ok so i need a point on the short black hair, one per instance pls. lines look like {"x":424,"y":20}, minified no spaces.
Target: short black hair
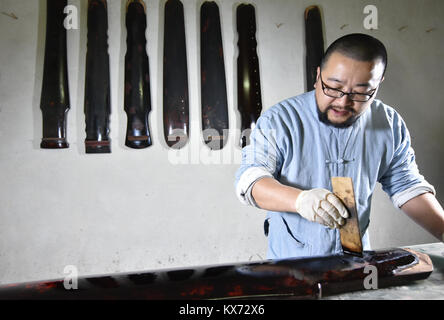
{"x":358,"y":46}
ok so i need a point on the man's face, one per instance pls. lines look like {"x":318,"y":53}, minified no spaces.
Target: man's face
{"x":348,"y":75}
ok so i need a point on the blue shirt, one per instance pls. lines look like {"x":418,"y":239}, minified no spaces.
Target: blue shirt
{"x":298,"y":150}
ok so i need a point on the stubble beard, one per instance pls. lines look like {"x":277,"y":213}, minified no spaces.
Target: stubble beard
{"x":323,"y":117}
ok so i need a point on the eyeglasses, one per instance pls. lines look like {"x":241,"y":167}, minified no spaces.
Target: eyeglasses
{"x":354,"y":96}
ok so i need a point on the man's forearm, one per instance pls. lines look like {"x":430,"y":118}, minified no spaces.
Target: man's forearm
{"x":270,"y":194}
{"x":426,"y":211}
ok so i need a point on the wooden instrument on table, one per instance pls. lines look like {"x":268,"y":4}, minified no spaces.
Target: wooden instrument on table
{"x":303,"y":278}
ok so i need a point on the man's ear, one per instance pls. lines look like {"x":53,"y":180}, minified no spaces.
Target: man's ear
{"x":318,"y":73}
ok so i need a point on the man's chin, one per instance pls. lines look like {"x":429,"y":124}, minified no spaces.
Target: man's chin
{"x":337,"y":123}
{"x":343,"y":122}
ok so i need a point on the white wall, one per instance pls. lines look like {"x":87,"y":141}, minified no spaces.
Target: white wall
{"x":137,"y":209}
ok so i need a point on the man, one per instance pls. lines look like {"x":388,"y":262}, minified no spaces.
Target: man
{"x":338,"y":129}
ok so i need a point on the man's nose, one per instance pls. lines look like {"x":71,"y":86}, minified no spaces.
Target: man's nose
{"x":343,"y":101}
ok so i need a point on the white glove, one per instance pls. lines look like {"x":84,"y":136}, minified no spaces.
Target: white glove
{"x":322,"y":206}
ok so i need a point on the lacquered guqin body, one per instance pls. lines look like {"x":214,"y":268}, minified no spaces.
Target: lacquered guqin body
{"x":55,"y":102}
{"x":248,"y":75}
{"x":292,"y":278}
{"x":97,"y":82}
{"x":175,"y":77}
{"x":314,"y":44}
{"x":215,"y":122}
{"x":137,"y":78}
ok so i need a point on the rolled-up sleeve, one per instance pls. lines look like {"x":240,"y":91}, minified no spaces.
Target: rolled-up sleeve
{"x":261,"y":158}
{"x":402,"y":180}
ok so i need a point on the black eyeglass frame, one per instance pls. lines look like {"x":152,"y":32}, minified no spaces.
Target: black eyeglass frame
{"x":349,"y":94}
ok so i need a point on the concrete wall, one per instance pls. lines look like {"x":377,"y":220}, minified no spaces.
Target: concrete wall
{"x":155,"y":208}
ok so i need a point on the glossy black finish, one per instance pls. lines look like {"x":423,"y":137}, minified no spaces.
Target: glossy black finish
{"x":54,"y":101}
{"x":213,"y":83}
{"x":137,"y":78}
{"x":291,"y":278}
{"x":248,"y":77}
{"x":97,"y":83}
{"x":175,"y":77}
{"x":314,"y":44}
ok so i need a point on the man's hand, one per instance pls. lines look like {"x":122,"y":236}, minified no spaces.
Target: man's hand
{"x":319,"y":205}
{"x":322,"y":206}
